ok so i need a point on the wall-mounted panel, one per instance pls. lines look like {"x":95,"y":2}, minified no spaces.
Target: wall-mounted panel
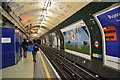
{"x":10,"y":47}
{"x":7,"y":40}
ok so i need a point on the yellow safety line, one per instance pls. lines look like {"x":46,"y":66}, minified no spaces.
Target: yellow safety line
{"x":45,"y":67}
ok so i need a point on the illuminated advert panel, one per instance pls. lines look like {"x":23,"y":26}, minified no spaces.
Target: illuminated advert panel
{"x":109,"y":22}
{"x":77,"y":39}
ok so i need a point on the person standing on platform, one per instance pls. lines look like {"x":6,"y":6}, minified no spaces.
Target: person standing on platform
{"x":36,"y":48}
{"x":25,"y":45}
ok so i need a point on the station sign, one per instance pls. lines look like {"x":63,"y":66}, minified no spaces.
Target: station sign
{"x":96,"y":44}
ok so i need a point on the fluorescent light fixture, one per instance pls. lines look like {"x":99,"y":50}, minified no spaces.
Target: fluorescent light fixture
{"x":45,"y":10}
{"x":39,"y":31}
{"x":35,"y":35}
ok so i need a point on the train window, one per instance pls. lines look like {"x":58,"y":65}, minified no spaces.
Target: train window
{"x":106,"y":37}
{"x":105,"y":32}
{"x":109,"y":36}
{"x":112,"y":36}
{"x":110,"y":31}
{"x":113,"y":30}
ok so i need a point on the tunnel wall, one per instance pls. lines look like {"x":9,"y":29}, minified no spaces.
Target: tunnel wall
{"x":86,"y":14}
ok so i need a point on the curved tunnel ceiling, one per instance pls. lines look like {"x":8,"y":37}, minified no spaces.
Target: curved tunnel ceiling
{"x":31,"y":13}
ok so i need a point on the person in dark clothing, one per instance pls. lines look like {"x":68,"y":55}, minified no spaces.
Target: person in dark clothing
{"x":36,"y":48}
{"x":25,"y":45}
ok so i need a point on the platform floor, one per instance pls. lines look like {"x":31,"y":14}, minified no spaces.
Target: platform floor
{"x":26,"y":68}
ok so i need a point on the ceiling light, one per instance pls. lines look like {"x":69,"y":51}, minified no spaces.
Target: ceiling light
{"x":39,"y":31}
{"x":17,"y":31}
{"x":45,"y":11}
{"x":34,"y":30}
{"x":35,"y":35}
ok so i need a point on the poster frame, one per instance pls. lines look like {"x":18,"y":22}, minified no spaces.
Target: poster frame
{"x":70,"y":51}
{"x":112,"y":7}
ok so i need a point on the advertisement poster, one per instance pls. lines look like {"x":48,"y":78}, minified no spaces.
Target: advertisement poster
{"x":77,"y":40}
{"x":109,"y":22}
{"x":54,"y":40}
